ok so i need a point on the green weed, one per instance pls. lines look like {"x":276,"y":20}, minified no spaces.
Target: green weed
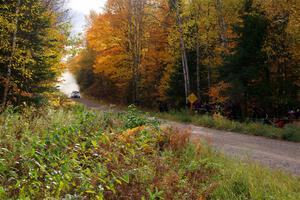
{"x":75,"y":153}
{"x":289,"y":132}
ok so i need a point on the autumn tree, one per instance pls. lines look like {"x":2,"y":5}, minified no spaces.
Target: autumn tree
{"x":203,"y":46}
{"x":32,"y":36}
{"x":130,"y":42}
{"x":229,"y":52}
{"x":283,"y":65}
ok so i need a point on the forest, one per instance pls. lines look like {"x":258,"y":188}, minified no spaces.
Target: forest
{"x":240,"y":55}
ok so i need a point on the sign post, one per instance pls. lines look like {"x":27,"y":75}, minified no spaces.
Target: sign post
{"x":192,"y":99}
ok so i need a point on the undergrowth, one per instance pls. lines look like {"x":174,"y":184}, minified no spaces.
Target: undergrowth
{"x":289,"y":133}
{"x":75,"y":153}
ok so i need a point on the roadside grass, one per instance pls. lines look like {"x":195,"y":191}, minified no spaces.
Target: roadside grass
{"x":289,"y":133}
{"x":76,"y":153}
{"x":252,"y":181}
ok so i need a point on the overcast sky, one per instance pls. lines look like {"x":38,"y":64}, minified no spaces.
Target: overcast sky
{"x":81,"y":8}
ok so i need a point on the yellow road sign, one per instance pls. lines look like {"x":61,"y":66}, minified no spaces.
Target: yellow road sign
{"x":192,"y":98}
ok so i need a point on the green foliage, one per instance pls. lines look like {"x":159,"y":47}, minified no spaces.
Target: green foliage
{"x":175,"y":91}
{"x":243,"y":183}
{"x":289,"y":132}
{"x":283,"y":66}
{"x":262,"y":64}
{"x":237,"y":53}
{"x":134,"y":118}
{"x":35,"y":60}
{"x":245,"y":69}
{"x":155,"y":195}
{"x":82,"y":67}
{"x":74,"y":153}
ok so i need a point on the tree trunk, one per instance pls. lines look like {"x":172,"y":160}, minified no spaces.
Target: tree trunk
{"x":183,"y":55}
{"x":135,"y":20}
{"x":209,"y":77}
{"x":222,"y":23}
{"x":131,"y":48}
{"x":198,"y":60}
{"x":13,"y":49}
{"x":207,"y":52}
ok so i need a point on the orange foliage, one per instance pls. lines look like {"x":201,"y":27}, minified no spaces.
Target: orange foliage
{"x":216,"y":92}
{"x":110,"y":37}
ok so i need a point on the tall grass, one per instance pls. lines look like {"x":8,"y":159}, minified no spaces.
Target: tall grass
{"x":289,"y":132}
{"x":74,"y":153}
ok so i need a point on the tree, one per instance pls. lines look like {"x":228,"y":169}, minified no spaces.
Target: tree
{"x":176,"y":6}
{"x":244,"y":70}
{"x":32,"y":34}
{"x":130,"y":43}
{"x":222,"y":23}
{"x":283,"y":68}
{"x":13,"y":49}
{"x":162,"y":50}
{"x":195,"y":13}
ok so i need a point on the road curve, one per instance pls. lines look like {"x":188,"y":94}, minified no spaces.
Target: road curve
{"x":275,"y":154}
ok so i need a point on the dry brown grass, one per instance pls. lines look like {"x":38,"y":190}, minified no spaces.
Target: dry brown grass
{"x":179,"y":139}
{"x":297,"y":123}
{"x":176,"y":139}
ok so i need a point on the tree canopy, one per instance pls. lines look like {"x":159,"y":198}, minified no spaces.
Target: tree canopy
{"x":33,"y":35}
{"x":151,"y":52}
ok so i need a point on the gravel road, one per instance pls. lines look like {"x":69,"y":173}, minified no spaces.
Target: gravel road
{"x":276,"y":154}
{"x":272,"y":153}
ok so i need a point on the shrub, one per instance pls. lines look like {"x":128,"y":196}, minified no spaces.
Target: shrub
{"x":291,"y":133}
{"x":75,"y":153}
{"x":134,"y":118}
{"x":205,"y":120}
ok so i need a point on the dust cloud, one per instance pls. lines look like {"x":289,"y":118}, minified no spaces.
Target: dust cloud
{"x":68,"y":83}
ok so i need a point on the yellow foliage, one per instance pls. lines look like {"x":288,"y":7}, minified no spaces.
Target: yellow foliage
{"x":127,"y":135}
{"x":217,"y":92}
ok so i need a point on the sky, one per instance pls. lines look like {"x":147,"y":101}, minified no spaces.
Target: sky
{"x":81,"y":8}
{"x":78,"y":10}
